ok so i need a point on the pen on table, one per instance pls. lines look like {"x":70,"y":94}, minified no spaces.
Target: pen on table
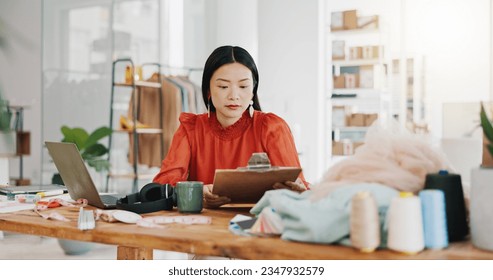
{"x":50,"y":193}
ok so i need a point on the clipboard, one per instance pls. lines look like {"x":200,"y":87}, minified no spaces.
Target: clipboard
{"x":246,"y":185}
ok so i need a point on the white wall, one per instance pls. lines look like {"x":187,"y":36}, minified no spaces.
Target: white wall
{"x":213,"y":23}
{"x":454,"y":38}
{"x":289,"y":65}
{"x":20,"y":73}
{"x":231,"y":22}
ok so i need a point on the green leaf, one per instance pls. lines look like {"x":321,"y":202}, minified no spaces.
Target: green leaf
{"x":90,"y":150}
{"x":97,"y":135}
{"x":75,"y":135}
{"x":486,"y":124}
{"x":99,"y":164}
{"x":94,"y":151}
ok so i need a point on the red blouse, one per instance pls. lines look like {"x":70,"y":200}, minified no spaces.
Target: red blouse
{"x":201,"y":145}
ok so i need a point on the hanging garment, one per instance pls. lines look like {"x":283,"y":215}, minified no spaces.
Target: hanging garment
{"x":190,"y":88}
{"x":149,"y":149}
{"x":183,"y":93}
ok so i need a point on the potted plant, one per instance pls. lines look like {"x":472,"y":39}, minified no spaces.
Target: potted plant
{"x":92,"y":151}
{"x":481,"y":208}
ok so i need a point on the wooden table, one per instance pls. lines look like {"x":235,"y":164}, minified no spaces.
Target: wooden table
{"x":135,"y":242}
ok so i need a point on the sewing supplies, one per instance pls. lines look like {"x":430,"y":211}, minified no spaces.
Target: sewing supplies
{"x":27,"y":198}
{"x":50,"y":193}
{"x":52,"y":216}
{"x":455,"y":206}
{"x":405,"y":232}
{"x":41,"y":205}
{"x":434,"y":218}
{"x":157,"y":221}
{"x":126,"y":216}
{"x":86,"y":219}
{"x":57,"y":202}
{"x":364,"y":222}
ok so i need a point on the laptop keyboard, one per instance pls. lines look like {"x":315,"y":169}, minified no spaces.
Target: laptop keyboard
{"x":109,"y":199}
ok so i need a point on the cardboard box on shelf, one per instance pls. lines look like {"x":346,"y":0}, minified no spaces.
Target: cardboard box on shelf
{"x":344,"y":147}
{"x":355,"y":52}
{"x":371,"y":52}
{"x":350,"y":19}
{"x":339,"y":81}
{"x":351,"y":80}
{"x":337,"y":148}
{"x":356,"y":119}
{"x":359,"y":119}
{"x":368,"y":22}
{"x":370,"y":118}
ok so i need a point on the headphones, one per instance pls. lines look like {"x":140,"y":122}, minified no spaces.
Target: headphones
{"x":151,"y":198}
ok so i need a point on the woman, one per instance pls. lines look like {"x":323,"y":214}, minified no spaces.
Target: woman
{"x":231,"y":131}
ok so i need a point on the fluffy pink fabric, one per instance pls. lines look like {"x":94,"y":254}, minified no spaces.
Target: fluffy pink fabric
{"x":392,"y":157}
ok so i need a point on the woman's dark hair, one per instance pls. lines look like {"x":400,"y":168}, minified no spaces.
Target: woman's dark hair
{"x":226,"y":55}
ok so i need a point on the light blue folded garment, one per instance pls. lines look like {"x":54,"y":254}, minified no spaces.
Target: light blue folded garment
{"x":325,"y":220}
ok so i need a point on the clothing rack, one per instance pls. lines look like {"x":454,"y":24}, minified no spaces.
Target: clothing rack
{"x":139,"y":153}
{"x":188,"y":70}
{"x":134,"y":132}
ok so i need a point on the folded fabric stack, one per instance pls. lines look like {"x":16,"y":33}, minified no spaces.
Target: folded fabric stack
{"x":322,"y":221}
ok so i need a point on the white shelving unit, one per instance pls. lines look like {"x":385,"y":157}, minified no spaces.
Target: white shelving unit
{"x":358,"y":58}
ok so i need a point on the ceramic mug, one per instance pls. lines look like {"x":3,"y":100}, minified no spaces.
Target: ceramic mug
{"x":190,"y":196}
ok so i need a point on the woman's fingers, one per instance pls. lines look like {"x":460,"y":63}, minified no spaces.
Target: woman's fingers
{"x":216,"y":201}
{"x":295,"y":186}
{"x":213,"y":200}
{"x":280,"y":185}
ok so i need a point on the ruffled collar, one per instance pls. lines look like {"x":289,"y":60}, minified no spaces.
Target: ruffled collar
{"x":233,"y":131}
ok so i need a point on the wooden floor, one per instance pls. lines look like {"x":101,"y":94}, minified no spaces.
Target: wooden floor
{"x":15,"y":246}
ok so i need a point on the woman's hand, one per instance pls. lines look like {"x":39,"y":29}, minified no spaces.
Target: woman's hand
{"x":296,"y":186}
{"x":213,"y":200}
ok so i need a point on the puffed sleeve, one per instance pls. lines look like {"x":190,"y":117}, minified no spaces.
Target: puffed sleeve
{"x":279,"y":143}
{"x":175,"y":165}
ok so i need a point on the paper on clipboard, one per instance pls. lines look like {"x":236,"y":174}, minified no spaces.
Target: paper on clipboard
{"x":249,"y":185}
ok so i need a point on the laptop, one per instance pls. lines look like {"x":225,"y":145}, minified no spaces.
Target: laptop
{"x":75,"y":175}
{"x":31,"y":189}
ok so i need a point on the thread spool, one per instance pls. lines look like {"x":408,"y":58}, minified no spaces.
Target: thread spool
{"x":405,"y":224}
{"x":455,"y":207}
{"x":434,"y":218}
{"x":365,"y":226}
